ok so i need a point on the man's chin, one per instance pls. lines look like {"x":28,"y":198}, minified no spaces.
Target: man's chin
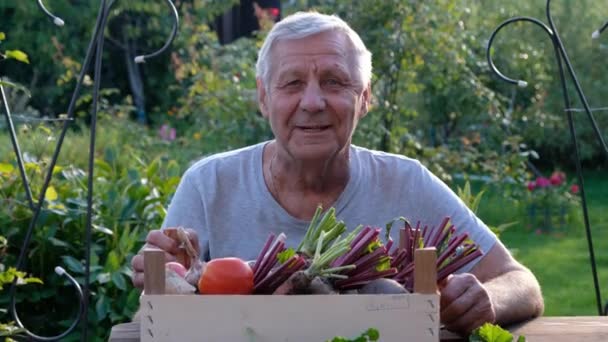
{"x":314,"y":152}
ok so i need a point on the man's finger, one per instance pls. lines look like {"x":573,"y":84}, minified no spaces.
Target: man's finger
{"x":138,"y":279}
{"x":137,"y":263}
{"x":454,"y":287}
{"x":474,"y":317}
{"x":158,"y":239}
{"x":193,"y":236}
{"x":458,"y":307}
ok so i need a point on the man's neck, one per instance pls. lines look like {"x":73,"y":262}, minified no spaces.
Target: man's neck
{"x":300,"y":186}
{"x":311,"y":176}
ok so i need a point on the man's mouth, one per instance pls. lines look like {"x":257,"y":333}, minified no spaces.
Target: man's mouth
{"x":313,"y":128}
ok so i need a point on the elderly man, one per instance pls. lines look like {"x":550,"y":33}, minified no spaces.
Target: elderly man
{"x":313,"y":81}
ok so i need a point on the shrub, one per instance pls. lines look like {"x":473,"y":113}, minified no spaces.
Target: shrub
{"x":132,"y":189}
{"x":550,"y":202}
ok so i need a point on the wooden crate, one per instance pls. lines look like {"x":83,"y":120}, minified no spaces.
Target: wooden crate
{"x":267,"y":318}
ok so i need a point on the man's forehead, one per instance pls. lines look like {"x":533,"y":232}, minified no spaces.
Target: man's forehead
{"x":325,"y":43}
{"x":294,"y":60}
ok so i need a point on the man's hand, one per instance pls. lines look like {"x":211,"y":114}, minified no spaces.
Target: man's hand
{"x":465,"y":303}
{"x":156,"y":239}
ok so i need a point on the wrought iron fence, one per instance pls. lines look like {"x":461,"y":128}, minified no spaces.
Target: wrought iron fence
{"x":564,"y":65}
{"x":94,"y":52}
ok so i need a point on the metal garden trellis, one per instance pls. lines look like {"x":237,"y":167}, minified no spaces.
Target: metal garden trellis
{"x":95,"y":48}
{"x":562,"y":58}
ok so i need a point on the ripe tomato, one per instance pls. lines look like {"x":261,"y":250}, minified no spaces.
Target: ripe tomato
{"x":226,"y":276}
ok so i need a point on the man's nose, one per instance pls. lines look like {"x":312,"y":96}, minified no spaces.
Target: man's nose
{"x":313,"y":99}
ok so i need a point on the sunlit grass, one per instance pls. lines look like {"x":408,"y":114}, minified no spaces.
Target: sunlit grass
{"x":561,"y":262}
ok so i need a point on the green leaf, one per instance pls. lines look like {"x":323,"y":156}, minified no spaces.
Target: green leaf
{"x":490,"y":333}
{"x":102,"y":307}
{"x":286,"y":254}
{"x":51,"y":194}
{"x":521,"y":339}
{"x":113,"y":262}
{"x":32,"y":280}
{"x":103,"y":166}
{"x":383,"y":264}
{"x":373,"y":245}
{"x":2,"y":36}
{"x":103,"y":229}
{"x":119,"y":280}
{"x":109,"y":155}
{"x":16,"y":86}
{"x":18,"y":55}
{"x":6,"y":168}
{"x":373,"y":334}
{"x":58,"y":243}
{"x":103,"y":278}
{"x":152,"y":169}
{"x":173,"y":169}
{"x":73,"y":264}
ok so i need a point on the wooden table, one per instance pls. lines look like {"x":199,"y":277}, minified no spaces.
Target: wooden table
{"x":543,"y":329}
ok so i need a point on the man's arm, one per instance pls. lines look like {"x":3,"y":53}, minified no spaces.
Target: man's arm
{"x":514,"y":290}
{"x":498,"y":290}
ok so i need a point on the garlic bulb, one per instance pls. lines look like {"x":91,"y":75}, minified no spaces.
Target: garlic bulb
{"x":174,"y":284}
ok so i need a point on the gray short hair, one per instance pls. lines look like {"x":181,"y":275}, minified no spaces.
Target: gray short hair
{"x":305,"y":24}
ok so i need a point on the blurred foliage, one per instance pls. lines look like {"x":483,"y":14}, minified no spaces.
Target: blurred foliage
{"x":132,"y":189}
{"x":434,"y":99}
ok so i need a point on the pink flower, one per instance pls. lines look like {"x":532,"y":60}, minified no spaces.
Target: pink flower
{"x":167,"y":133}
{"x":557,"y":178}
{"x":531,"y":186}
{"x":574,"y":189}
{"x":172,"y":134}
{"x":543,"y":182}
{"x":538,"y":231}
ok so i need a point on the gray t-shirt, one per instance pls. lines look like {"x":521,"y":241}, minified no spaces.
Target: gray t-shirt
{"x":225,"y":199}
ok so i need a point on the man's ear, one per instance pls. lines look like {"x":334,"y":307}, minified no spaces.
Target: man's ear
{"x":367,"y":100}
{"x":262,"y":101}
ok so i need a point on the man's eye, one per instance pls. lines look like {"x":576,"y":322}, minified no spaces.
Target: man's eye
{"x":332,"y":82}
{"x":293,"y":83}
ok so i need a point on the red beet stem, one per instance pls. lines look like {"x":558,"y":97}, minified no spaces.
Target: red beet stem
{"x":443,"y":236}
{"x":403,"y":238}
{"x":439,"y":232}
{"x":356,"y":248}
{"x":389,"y":244}
{"x":424,"y":234}
{"x":269,"y":261}
{"x":405,"y":271}
{"x":368,"y":260}
{"x":451,"y":248}
{"x":366,"y":277}
{"x":293,"y":264}
{"x":414,"y":245}
{"x":458,"y":264}
{"x":359,"y":248}
{"x":263,"y":252}
{"x":339,"y":261}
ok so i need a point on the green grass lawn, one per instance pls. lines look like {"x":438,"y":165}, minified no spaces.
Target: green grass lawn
{"x":561,"y":262}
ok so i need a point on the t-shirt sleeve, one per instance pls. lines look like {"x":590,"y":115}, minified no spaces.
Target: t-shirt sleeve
{"x":187,"y":210}
{"x":435,"y":200}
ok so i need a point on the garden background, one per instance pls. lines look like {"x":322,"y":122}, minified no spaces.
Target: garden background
{"x":434,"y":99}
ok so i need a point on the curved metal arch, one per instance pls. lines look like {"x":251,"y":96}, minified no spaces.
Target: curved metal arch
{"x":175,"y":15}
{"x":562,"y":58}
{"x":61,"y":272}
{"x":520,"y":83}
{"x":95,"y":47}
{"x":56,"y":20}
{"x":596,"y":33}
